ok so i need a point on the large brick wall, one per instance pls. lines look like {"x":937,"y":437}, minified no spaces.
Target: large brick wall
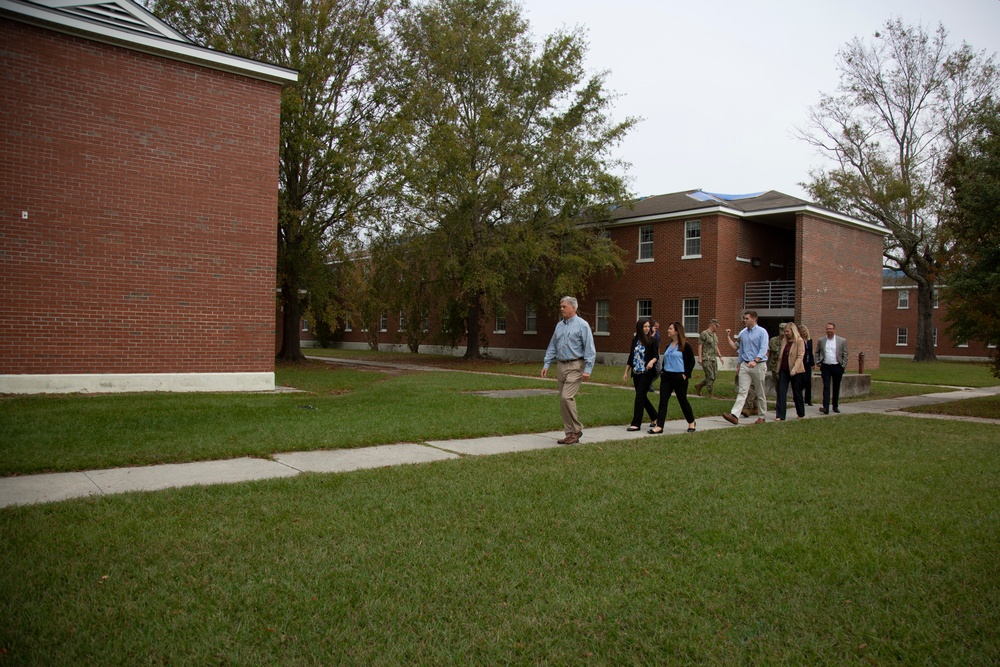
{"x":839,"y":275}
{"x":138,"y":200}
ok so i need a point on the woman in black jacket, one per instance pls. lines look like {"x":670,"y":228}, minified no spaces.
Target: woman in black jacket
{"x":678,"y":364}
{"x":642,"y":363}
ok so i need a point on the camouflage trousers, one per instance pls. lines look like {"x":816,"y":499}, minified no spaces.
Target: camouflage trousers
{"x":711,"y":368}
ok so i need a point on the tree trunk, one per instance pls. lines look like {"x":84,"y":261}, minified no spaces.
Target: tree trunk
{"x":291,"y":317}
{"x":925,"y":322}
{"x":473,"y":328}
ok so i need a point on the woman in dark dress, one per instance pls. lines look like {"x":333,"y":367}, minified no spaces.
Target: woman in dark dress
{"x":642,"y":360}
{"x":678,"y":364}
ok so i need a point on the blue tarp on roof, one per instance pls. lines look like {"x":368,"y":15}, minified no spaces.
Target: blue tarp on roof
{"x":701,"y":195}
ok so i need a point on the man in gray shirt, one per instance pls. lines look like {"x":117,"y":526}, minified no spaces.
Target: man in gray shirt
{"x":572,"y":345}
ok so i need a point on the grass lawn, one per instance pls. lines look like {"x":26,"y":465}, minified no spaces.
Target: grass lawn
{"x":987,"y":407}
{"x":864,"y":539}
{"x":955,"y":373}
{"x":342,"y":408}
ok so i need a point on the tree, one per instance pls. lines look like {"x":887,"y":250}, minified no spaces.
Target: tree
{"x":902,"y":106}
{"x":507,"y":155}
{"x":972,"y":272}
{"x":337,"y":124}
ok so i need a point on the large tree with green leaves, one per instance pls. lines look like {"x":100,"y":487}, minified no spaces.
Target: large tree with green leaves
{"x":508,"y":158}
{"x":337,"y":124}
{"x":972,"y":273}
{"x":902,"y":106}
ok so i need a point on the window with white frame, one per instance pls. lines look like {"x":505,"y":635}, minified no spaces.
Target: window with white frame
{"x":603,"y":317}
{"x":402,"y":321}
{"x":692,"y":313}
{"x":530,"y":319}
{"x":646,"y":242}
{"x":305,"y":324}
{"x":903,"y":299}
{"x":643,"y":308}
{"x":501,"y":324}
{"x":936,"y":295}
{"x":963,"y":343}
{"x":692,"y":238}
{"x":425,"y":322}
{"x":901,"y":336}
{"x":383,"y":324}
{"x":348,"y":325}
{"x":935,"y":336}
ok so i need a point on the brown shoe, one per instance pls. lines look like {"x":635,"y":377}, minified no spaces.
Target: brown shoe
{"x":760,"y":420}
{"x":570,"y":439}
{"x":697,"y":388}
{"x":731,"y":418}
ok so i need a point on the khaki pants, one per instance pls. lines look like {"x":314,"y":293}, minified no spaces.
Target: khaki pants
{"x":746,"y":377}
{"x":570,"y":379}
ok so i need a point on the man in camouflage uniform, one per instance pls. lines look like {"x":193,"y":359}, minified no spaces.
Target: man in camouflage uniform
{"x":708,"y":357}
{"x":774,"y":355}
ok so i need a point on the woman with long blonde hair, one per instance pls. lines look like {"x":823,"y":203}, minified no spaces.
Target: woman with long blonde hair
{"x":790,"y":372}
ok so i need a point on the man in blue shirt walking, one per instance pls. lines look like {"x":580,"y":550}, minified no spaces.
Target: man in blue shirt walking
{"x":572,"y":345}
{"x":752,"y":359}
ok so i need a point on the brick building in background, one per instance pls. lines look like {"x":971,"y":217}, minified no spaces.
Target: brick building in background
{"x":138,"y":200}
{"x":899,"y":324}
{"x":693,"y":256}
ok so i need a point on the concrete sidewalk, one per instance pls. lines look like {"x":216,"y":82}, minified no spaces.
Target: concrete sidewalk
{"x":33,"y":489}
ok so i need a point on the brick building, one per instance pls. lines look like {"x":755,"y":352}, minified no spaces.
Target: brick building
{"x":138,"y":199}
{"x":899,"y":324}
{"x":693,"y":256}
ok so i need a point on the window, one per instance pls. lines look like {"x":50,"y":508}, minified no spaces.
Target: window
{"x":936,"y":297}
{"x":530,"y":319}
{"x":692,"y":311}
{"x":402,"y":321}
{"x":935,"y":336}
{"x":963,"y":343}
{"x":603,"y":317}
{"x":692,"y":238}
{"x":644,"y":308}
{"x":901,"y":337}
{"x":646,"y":242}
{"x":501,"y":324}
{"x":384,"y":322}
{"x":903,"y":299}
{"x":305,"y":324}
{"x":347,"y":325}
{"x":425,"y":323}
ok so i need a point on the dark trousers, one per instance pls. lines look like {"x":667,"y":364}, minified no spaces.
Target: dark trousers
{"x":786,"y":379}
{"x":807,"y":385}
{"x":831,"y":373}
{"x":642,"y":382}
{"x":670,"y":383}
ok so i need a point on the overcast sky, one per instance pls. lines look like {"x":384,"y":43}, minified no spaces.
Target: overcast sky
{"x":722,"y":84}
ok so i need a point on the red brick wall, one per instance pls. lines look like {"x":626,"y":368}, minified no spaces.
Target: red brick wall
{"x":894,"y":317}
{"x":840,"y":277}
{"x":150,"y":188}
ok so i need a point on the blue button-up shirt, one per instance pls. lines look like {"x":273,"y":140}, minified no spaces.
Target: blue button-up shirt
{"x":753,"y":344}
{"x":571,"y":340}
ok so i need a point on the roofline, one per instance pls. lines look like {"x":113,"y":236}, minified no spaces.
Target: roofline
{"x":736,"y":213}
{"x":188,"y":52}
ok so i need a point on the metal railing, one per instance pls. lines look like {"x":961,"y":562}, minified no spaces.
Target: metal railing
{"x":769,"y":294}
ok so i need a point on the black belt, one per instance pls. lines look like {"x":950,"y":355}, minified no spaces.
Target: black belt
{"x":566,"y":361}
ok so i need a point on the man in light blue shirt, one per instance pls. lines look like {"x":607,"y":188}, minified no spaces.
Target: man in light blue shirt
{"x":752,"y":359}
{"x":572,"y":346}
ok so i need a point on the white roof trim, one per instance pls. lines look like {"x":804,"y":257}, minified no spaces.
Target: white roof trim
{"x":725,"y":210}
{"x":103,"y":22}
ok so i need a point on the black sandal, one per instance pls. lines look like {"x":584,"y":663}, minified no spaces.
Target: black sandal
{"x":632,"y":428}
{"x":654,"y":431}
